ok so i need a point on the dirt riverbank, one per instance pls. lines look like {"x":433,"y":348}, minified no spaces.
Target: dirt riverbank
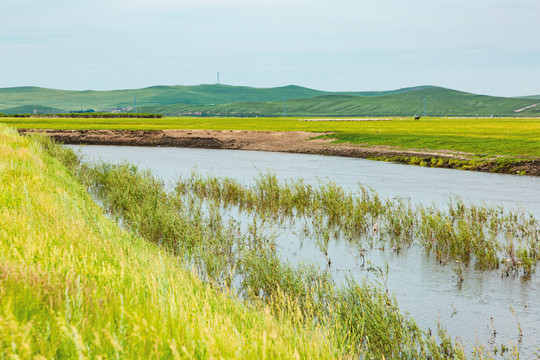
{"x":294,"y":142}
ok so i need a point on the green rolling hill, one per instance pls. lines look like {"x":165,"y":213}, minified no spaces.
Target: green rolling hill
{"x":151,"y":96}
{"x":229,"y":100}
{"x":29,"y":109}
{"x":439,"y":102}
{"x":531,"y":97}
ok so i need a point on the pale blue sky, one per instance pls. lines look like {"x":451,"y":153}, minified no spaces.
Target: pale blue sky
{"x":483,"y":46}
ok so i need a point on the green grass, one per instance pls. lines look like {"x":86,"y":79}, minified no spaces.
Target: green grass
{"x":74,"y":285}
{"x":514,"y":137}
{"x":361,"y":320}
{"x":489,"y":136}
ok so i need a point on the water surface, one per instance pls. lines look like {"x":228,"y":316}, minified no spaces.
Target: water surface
{"x":425,"y":289}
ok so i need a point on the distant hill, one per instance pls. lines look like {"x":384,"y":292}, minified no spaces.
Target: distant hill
{"x":244,"y":101}
{"x":30,"y":109}
{"x":151,"y":96}
{"x":531,"y":97}
{"x":439,"y":102}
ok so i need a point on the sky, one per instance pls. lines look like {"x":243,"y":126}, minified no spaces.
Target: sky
{"x":489,"y":47}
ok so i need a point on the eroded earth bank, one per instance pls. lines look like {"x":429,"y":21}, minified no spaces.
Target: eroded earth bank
{"x":293,"y":142}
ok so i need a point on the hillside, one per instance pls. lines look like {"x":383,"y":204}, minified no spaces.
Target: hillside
{"x":151,"y":96}
{"x":30,"y":109}
{"x":12,"y":98}
{"x":531,"y":97}
{"x":245,"y":101}
{"x":439,"y":102}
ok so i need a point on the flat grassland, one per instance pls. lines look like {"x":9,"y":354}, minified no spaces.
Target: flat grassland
{"x":508,"y":137}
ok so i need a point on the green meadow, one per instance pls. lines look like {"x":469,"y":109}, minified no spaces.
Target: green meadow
{"x":514,"y":137}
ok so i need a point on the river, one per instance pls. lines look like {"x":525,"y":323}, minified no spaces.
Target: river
{"x":425,"y":289}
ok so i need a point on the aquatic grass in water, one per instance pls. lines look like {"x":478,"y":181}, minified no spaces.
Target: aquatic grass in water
{"x":485,"y":236}
{"x":223,"y":256}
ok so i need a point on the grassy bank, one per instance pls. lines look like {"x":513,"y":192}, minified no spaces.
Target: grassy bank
{"x":74,"y":285}
{"x":518,"y":137}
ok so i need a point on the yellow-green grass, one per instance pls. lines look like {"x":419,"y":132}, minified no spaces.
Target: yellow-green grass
{"x":480,"y":136}
{"x":75,"y":285}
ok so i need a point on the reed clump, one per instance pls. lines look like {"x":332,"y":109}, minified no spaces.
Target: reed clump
{"x":485,"y":236}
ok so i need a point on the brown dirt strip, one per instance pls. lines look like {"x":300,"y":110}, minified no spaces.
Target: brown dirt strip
{"x":281,"y":141}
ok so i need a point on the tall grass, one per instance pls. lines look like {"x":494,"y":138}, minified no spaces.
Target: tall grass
{"x":75,"y":285}
{"x":485,"y":236}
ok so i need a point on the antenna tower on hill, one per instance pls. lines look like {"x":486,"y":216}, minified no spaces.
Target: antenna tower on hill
{"x":218,"y":78}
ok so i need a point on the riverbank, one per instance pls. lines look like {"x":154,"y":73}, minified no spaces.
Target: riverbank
{"x":73,"y":284}
{"x":319,"y":143}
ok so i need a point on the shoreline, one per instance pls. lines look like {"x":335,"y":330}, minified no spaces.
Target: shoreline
{"x":292,"y":142}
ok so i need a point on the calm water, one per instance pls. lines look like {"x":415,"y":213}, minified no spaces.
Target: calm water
{"x":426,"y":290}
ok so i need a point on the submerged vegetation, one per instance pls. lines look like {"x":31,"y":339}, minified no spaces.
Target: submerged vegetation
{"x":182,"y":282}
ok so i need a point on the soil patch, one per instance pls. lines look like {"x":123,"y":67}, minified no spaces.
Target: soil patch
{"x":290,"y":141}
